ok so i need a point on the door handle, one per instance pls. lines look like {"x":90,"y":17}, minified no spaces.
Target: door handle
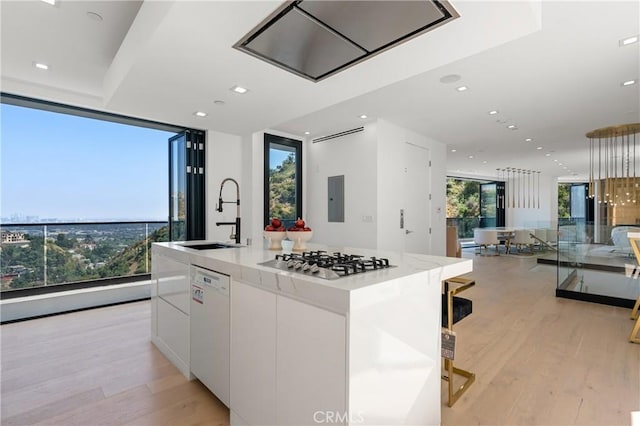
{"x":407,"y":231}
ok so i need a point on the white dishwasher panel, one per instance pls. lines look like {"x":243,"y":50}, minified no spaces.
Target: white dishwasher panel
{"x":210,"y":330}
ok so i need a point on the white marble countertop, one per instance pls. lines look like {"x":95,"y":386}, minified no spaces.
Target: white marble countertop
{"x":242,"y":263}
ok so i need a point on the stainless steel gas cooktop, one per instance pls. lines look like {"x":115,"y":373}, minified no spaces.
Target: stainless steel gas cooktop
{"x":325,"y":265}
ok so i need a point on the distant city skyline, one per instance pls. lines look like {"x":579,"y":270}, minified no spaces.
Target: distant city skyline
{"x":70,"y":168}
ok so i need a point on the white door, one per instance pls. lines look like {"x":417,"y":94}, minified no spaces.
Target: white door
{"x":417,"y":205}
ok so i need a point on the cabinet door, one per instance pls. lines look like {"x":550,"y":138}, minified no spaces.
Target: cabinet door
{"x":172,"y":278}
{"x":253,"y":354}
{"x":311,"y":364}
{"x":173,"y":335}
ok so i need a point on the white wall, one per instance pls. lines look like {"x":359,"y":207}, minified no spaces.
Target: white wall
{"x":391,"y":141}
{"x":544,"y":217}
{"x":224,"y":159}
{"x":355,"y":157}
{"x":72,"y":300}
{"x":373,"y":165}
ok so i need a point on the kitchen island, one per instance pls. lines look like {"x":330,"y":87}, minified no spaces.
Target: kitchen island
{"x":360,"y":349}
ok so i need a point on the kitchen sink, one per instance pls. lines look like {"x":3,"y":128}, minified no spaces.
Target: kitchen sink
{"x":208,"y":246}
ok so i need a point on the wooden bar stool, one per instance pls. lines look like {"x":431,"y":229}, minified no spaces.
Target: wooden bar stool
{"x":453,"y":310}
{"x":634,"y":337}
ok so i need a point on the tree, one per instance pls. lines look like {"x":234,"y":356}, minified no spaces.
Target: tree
{"x":282,"y":189}
{"x":564,"y":200}
{"x":463,"y":198}
{"x":63,"y":241}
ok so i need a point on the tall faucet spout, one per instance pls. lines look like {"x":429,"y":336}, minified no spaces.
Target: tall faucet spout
{"x":220,"y":202}
{"x":237,"y":202}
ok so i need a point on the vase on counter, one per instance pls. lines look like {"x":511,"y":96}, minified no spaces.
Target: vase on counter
{"x":299,"y":239}
{"x":275,"y":239}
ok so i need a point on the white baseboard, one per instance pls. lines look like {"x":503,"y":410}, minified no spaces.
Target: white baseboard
{"x":65,"y":301}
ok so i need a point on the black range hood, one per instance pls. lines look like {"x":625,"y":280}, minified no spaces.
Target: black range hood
{"x":318,"y":38}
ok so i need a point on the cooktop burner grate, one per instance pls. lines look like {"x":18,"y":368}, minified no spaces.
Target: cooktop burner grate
{"x":327,"y":265}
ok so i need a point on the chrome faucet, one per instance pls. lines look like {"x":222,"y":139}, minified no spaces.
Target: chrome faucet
{"x":233,"y":235}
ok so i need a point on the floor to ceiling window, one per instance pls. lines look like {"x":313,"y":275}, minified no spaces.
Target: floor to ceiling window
{"x":463,"y":205}
{"x":83,"y":195}
{"x":282,"y":179}
{"x":474,"y":204}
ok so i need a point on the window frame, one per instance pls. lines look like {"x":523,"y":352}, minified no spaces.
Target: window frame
{"x":38,"y":104}
{"x":270,"y":140}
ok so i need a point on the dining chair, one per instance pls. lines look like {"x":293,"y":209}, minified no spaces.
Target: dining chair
{"x":485,"y":238}
{"x":522,"y":238}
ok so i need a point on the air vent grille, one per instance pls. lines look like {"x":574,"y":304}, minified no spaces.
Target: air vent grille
{"x":338,"y":135}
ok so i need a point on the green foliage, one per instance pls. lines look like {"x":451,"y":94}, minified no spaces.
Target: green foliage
{"x":282,"y":190}
{"x":62,"y":241}
{"x":68,"y":261}
{"x":564,"y":200}
{"x":463,"y":198}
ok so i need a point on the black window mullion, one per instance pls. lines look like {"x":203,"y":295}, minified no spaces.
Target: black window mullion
{"x":274,"y":141}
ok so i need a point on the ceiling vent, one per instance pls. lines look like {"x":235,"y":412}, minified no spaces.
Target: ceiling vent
{"x":338,"y":135}
{"x":318,"y":38}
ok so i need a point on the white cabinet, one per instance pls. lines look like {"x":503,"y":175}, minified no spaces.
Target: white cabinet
{"x":170,"y":310}
{"x":311,"y":364}
{"x":253,"y":354}
{"x":288,"y":360}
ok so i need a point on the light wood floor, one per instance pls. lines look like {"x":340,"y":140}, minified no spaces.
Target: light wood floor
{"x":538,"y":360}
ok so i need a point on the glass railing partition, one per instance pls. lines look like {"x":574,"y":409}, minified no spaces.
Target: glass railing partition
{"x":598,"y":271}
{"x":48,"y":254}
{"x":465,"y":225}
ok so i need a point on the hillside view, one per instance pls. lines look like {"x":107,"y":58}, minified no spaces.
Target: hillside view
{"x":76,"y":253}
{"x":282,"y":184}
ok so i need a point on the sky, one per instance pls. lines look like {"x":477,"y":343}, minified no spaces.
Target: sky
{"x":67,"y":167}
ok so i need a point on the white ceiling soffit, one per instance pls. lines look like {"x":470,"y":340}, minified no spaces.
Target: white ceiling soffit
{"x":555,"y":85}
{"x":70,"y":38}
{"x":180,"y":59}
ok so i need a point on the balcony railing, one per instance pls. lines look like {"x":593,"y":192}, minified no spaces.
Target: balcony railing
{"x":47,"y":255}
{"x":465,"y":225}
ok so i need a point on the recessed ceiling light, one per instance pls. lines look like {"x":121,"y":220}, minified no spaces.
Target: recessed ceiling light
{"x":555,"y":161}
{"x":559,"y":164}
{"x":462,"y":88}
{"x":363,"y":116}
{"x":539,"y":148}
{"x":547,"y":155}
{"x":484,"y":162}
{"x":307,"y":133}
{"x":200,"y":114}
{"x":94,"y":16}
{"x":493,"y":112}
{"x":528,"y":140}
{"x":239,"y":89}
{"x":511,"y":126}
{"x":471,"y":156}
{"x":51,"y":2}
{"x":453,"y":150}
{"x":41,"y":66}
{"x":629,"y":40}
{"x":451,"y":78}
{"x":628,"y":82}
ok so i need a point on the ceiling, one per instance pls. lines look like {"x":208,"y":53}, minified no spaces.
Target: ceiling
{"x":553,"y":69}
